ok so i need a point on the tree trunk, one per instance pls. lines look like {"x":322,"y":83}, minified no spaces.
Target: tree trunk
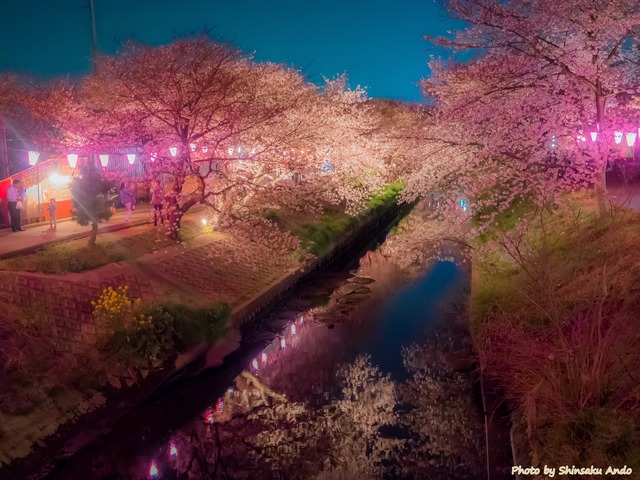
{"x":94,"y":234}
{"x":603,"y":149}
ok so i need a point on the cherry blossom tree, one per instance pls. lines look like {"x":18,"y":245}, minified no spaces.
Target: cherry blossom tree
{"x":517,"y":118}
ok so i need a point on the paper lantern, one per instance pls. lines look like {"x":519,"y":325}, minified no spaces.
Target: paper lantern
{"x":33,"y":157}
{"x":104,"y":160}
{"x":73,"y":159}
{"x":617,"y":136}
{"x":173,"y":151}
{"x":631,"y":138}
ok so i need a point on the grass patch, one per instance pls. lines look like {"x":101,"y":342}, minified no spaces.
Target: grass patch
{"x":556,"y":322}
{"x":76,"y":256}
{"x":318,"y":237}
{"x":387,"y":197}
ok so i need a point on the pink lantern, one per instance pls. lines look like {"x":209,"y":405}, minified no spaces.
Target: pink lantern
{"x":131,"y":157}
{"x":204,"y":149}
{"x":293,"y":329}
{"x":264,"y":358}
{"x":193,"y":147}
{"x":33,"y":157}
{"x":153,"y":156}
{"x":173,"y":450}
{"x":104,"y":160}
{"x":254,"y":364}
{"x":617,"y":136}
{"x":73,"y":159}
{"x":283,"y":343}
{"x":631,"y":138}
{"x":594,"y":136}
{"x":173,"y":151}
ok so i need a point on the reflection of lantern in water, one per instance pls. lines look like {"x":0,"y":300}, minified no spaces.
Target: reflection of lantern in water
{"x":254,"y":364}
{"x":283,"y":344}
{"x":293,"y":329}
{"x":209,"y":416}
{"x":173,"y":451}
{"x":264,"y":358}
{"x":219,"y":406}
{"x":153,"y":470}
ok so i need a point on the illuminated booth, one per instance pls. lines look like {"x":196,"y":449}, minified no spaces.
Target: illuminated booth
{"x":52,"y":179}
{"x":41,"y":183}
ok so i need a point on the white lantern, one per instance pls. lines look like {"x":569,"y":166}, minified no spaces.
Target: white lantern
{"x":230,"y":150}
{"x":631,"y":138}
{"x":153,"y":156}
{"x":204,"y":149}
{"x":73,"y":159}
{"x":104,"y":160}
{"x":193,"y":147}
{"x":617,"y":136}
{"x":173,"y":151}
{"x":594,"y":136}
{"x":33,"y":157}
{"x":131,"y":157}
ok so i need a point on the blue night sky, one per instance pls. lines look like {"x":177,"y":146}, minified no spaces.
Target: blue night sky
{"x":378,"y":43}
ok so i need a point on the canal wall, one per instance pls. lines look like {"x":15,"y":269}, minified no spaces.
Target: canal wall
{"x":72,"y":436}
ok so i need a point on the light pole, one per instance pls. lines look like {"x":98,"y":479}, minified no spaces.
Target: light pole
{"x":94,"y":38}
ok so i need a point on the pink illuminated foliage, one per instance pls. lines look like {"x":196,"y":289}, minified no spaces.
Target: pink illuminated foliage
{"x":259,"y":129}
{"x":504,"y":125}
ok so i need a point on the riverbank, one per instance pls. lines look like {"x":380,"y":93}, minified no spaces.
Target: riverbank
{"x":554,"y":318}
{"x":358,"y":375}
{"x":139,"y":389}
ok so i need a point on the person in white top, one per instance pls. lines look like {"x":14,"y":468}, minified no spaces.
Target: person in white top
{"x":14,"y":199}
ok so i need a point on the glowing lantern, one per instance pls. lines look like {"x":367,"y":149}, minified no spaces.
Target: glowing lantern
{"x":173,"y":151}
{"x":254,"y":364}
{"x":73,"y":159}
{"x":204,"y":149}
{"x":209,"y":416}
{"x":230,"y":150}
{"x":283,"y":344}
{"x":594,"y":136}
{"x":131,"y":157}
{"x":204,"y":221}
{"x":230,"y":391}
{"x":104,"y":160}
{"x":153,"y":157}
{"x":293,"y":329}
{"x":193,"y":147}
{"x":301,"y":319}
{"x":631,"y":138}
{"x":33,"y":157}
{"x":219,"y":406}
{"x":264,"y":358}
{"x":153,"y":470}
{"x":617,"y":136}
{"x":173,"y":451}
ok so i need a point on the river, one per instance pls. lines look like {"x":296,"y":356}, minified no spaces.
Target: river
{"x":365,"y":372}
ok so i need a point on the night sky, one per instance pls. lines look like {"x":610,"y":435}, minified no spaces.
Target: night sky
{"x":378,"y":43}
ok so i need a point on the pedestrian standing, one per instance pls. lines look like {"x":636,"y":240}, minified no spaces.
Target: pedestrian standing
{"x":14,"y":198}
{"x":126,"y":197}
{"x":52,"y":213}
{"x":156,"y":200}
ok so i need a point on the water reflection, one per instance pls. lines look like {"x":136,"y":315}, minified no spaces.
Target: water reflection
{"x":364,"y":386}
{"x":345,"y":392}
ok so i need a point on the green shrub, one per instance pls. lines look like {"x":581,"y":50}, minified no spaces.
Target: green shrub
{"x":387,"y":197}
{"x":317,"y":238}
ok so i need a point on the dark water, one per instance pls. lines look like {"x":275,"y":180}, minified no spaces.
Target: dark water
{"x":323,"y":388}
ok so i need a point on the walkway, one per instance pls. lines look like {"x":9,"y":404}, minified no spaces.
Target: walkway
{"x":39,"y":235}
